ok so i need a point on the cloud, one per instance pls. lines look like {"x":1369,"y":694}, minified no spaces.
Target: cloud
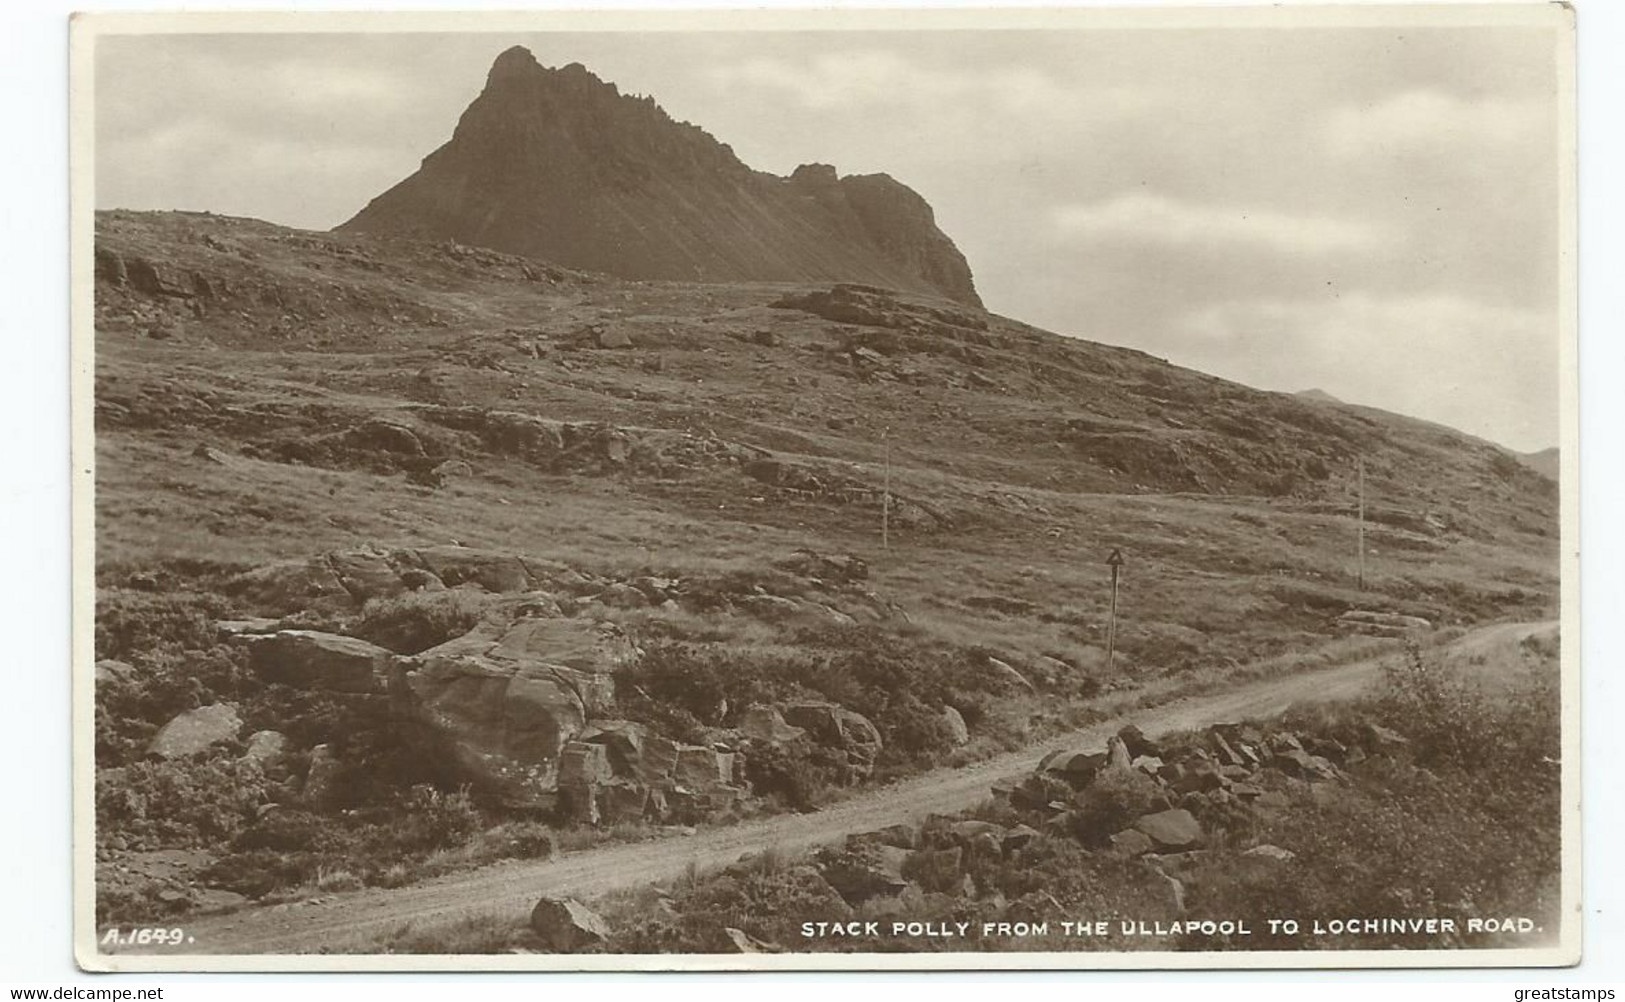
{"x":882,"y":77}
{"x":1492,"y":369}
{"x":1146,"y":218}
{"x":1430,"y":120}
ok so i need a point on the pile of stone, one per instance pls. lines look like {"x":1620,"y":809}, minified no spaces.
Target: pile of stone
{"x":1382,"y":624}
{"x":524,"y":702}
{"x":1226,"y":766}
{"x":618,"y":771}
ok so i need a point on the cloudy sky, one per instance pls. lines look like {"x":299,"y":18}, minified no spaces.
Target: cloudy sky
{"x":1372,"y":212}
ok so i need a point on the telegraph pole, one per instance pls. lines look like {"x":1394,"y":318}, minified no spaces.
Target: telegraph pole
{"x":1360,"y":574}
{"x":1115,"y":562}
{"x":885,"y":497}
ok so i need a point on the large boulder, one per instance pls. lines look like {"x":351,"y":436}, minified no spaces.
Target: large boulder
{"x":196,"y":730}
{"x":308,"y":659}
{"x":835,"y":726}
{"x":509,"y":698}
{"x":958,"y":733}
{"x":565,"y":925}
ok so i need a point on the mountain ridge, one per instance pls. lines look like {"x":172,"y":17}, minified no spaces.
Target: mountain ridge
{"x":559,"y":164}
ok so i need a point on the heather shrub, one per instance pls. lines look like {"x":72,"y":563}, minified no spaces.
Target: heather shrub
{"x":416,"y":621}
{"x":179,"y":802}
{"x":1111,"y":803}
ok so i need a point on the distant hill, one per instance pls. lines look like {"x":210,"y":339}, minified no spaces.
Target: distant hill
{"x":558,"y":164}
{"x":1547,"y":462}
{"x":1318,"y":395}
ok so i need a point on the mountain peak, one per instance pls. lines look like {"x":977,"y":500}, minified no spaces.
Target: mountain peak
{"x":559,"y":164}
{"x":513,"y":61}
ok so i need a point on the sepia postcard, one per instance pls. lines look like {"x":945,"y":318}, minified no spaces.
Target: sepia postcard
{"x":669,"y":490}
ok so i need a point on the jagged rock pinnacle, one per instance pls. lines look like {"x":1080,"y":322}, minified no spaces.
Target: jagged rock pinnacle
{"x":558,"y":164}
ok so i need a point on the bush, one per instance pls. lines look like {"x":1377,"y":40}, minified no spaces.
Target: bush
{"x":1451,"y":721}
{"x":1111,"y":803}
{"x":416,"y":621}
{"x":180,"y":802}
{"x":129,"y":711}
{"x":133,"y":623}
{"x":429,"y":819}
{"x":775,"y":772}
{"x":682,"y":688}
{"x":258,"y":872}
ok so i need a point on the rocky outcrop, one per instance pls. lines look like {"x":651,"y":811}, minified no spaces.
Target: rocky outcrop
{"x":558,"y":164}
{"x":348,"y":578}
{"x":511,"y":698}
{"x":308,"y":659}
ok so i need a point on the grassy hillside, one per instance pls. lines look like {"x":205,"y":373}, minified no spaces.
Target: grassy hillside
{"x":268,"y":395}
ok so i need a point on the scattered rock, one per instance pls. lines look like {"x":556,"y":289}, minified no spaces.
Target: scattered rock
{"x":745,"y":943}
{"x":324,"y":769}
{"x":766,"y":724}
{"x":228,"y":628}
{"x":1019,"y":838}
{"x":1171,"y":830}
{"x":897,"y":836}
{"x":1380,"y":739}
{"x":1301,"y":764}
{"x":863,"y":872}
{"x":108,"y":670}
{"x":1138,"y":744}
{"x":1131,"y":842}
{"x":623,"y":596}
{"x":266,"y":748}
{"x":1003,"y":670}
{"x":196,"y":730}
{"x":565,"y":925}
{"x":1272,"y":852}
{"x":1117,"y":754}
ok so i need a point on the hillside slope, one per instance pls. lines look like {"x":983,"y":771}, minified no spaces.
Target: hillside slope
{"x":559,"y":164}
{"x":754,"y":421}
{"x":467,"y":457}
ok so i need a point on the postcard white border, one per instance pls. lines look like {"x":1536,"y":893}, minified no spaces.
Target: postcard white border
{"x":87,"y":28}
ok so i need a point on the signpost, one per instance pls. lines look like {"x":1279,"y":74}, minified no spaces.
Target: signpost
{"x":1115,"y":562}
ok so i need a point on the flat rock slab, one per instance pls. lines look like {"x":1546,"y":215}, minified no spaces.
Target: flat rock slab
{"x":309,"y":659}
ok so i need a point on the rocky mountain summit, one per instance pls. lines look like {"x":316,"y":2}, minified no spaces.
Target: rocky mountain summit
{"x":559,"y":164}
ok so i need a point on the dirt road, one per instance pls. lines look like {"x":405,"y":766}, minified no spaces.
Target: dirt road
{"x":347,"y":921}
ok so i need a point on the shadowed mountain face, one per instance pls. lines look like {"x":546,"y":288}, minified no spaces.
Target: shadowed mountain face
{"x":558,"y":164}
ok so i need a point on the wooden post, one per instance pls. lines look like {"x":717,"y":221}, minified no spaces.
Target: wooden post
{"x":1359,"y":578}
{"x":1115,"y":562}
